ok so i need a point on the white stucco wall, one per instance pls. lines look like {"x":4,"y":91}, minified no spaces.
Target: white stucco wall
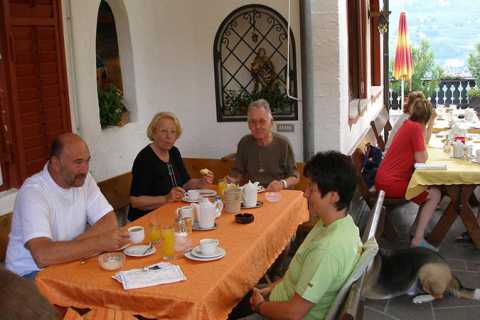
{"x":172,"y":51}
{"x":168,"y":66}
{"x":332,"y":129}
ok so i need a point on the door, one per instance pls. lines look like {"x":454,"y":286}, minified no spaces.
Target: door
{"x":36,"y":84}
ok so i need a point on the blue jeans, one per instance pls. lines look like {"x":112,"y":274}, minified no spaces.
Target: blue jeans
{"x":30,"y":275}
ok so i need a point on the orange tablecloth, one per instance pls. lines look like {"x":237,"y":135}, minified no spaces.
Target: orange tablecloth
{"x":211,"y":290}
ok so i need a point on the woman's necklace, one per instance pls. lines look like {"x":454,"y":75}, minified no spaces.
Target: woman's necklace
{"x":165,"y":157}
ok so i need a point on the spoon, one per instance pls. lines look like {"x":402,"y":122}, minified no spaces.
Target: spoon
{"x":150,"y":246}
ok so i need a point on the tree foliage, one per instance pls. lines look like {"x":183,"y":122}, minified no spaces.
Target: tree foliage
{"x":426,"y":73}
{"x":473,"y":62}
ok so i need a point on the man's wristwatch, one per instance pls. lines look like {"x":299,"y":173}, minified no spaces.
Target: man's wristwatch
{"x":284,"y":183}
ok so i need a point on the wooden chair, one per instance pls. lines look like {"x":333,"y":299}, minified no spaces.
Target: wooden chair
{"x":385,"y":226}
{"x":5,"y":226}
{"x":117,"y":192}
{"x":378,"y":137}
{"x":348,"y":303}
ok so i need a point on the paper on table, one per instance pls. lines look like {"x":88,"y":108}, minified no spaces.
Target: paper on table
{"x":430,"y":166}
{"x":152,"y":275}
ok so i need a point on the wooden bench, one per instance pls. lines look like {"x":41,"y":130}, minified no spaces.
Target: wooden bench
{"x":5,"y":225}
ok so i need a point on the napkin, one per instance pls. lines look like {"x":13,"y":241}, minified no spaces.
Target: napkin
{"x":152,"y":275}
{"x":430,"y":166}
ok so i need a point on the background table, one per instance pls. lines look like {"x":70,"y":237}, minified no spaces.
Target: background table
{"x":211,"y":290}
{"x":459,"y":181}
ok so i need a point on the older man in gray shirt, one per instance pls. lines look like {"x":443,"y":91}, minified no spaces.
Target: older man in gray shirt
{"x":263,"y":155}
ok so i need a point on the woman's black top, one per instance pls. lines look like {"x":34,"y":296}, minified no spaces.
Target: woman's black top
{"x":153,"y":177}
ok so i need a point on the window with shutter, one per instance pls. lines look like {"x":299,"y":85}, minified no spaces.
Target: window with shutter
{"x":356,"y":15}
{"x":375,"y":58}
{"x":35,"y":84}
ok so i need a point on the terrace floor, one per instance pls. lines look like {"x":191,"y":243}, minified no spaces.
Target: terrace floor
{"x":464,"y":260}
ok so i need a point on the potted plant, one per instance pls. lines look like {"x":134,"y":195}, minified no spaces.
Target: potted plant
{"x":112,"y":108}
{"x":474,"y":95}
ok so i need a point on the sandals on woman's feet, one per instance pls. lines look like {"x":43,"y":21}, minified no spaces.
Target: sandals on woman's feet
{"x":464,"y":237}
{"x":425,"y":244}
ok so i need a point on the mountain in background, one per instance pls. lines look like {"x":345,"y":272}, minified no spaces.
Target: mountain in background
{"x":451,"y":27}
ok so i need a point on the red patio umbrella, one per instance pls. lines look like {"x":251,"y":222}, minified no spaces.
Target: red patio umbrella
{"x":403,"y":66}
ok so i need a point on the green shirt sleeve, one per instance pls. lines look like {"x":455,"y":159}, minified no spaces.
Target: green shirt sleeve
{"x":318,"y":274}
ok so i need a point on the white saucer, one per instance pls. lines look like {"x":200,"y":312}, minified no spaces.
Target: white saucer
{"x":122,"y":247}
{"x":258,"y":205}
{"x":139,"y":250}
{"x":196,"y":227}
{"x":190,"y":256}
{"x":207,"y":192}
{"x":475,"y":161}
{"x":198,"y":254}
{"x":204,"y":193}
{"x":187,"y":199}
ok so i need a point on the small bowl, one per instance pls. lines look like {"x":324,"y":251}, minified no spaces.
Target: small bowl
{"x":111,"y":260}
{"x":273,"y":196}
{"x":244,"y":218}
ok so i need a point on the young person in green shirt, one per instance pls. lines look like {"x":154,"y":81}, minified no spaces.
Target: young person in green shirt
{"x":328,"y":254}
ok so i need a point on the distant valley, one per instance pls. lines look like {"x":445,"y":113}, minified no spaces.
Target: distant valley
{"x":451,"y":27}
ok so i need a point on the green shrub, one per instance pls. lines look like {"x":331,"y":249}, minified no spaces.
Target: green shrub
{"x":474,"y":93}
{"x":110,"y":101}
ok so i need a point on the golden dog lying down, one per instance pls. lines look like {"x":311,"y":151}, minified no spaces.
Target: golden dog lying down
{"x":415,"y":271}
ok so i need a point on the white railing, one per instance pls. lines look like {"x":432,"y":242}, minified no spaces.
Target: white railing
{"x":449,"y":91}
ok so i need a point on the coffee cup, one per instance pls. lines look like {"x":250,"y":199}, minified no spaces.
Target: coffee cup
{"x":193,"y":195}
{"x":208,"y":246}
{"x":136,"y":234}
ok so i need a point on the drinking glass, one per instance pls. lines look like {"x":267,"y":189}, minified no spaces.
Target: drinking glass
{"x":168,"y":241}
{"x":222,"y":185}
{"x":155,"y":233}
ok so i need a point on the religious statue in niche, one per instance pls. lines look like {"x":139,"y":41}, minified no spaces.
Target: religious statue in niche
{"x":263,"y":72}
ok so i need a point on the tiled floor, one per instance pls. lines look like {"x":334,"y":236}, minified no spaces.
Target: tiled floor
{"x":464,"y":261}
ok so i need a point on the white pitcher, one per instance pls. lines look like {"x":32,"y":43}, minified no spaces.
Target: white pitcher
{"x":207,"y":212}
{"x":249,"y":194}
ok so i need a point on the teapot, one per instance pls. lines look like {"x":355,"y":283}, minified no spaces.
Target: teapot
{"x":249,"y":194}
{"x":207,"y":212}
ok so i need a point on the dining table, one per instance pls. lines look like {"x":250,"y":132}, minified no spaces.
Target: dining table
{"x":445,"y":120}
{"x":458,"y":178}
{"x":211,"y":289}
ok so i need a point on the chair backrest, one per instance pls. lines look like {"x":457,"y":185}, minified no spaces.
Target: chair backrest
{"x":378,"y":137}
{"x":348,"y":303}
{"x":358,"y":158}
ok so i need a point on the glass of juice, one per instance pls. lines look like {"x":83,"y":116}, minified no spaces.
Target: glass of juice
{"x":155,"y":233}
{"x":222,"y":185}
{"x":168,"y":241}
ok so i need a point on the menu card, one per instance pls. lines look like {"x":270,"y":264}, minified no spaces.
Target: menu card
{"x":152,"y":275}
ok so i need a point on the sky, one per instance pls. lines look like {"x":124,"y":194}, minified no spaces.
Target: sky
{"x":451,"y":27}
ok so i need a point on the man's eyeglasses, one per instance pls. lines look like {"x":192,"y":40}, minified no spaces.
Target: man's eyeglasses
{"x":260,"y":122}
